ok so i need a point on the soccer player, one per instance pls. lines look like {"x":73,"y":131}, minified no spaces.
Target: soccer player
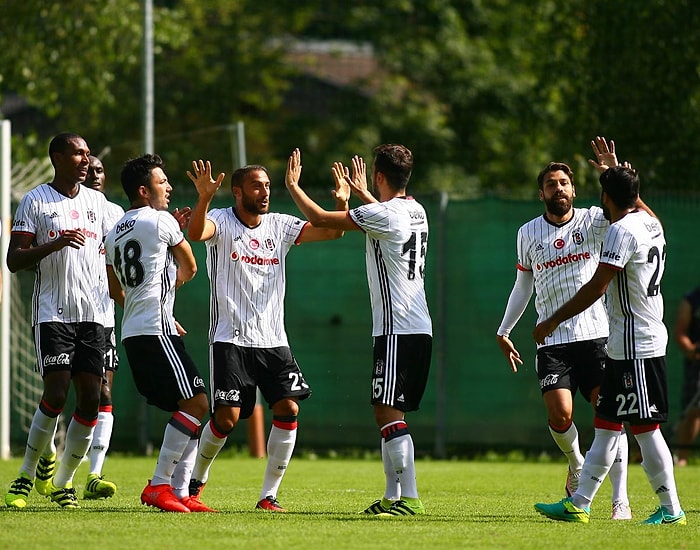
{"x":58,"y":231}
{"x":557,"y":253}
{"x":246,"y":250}
{"x":148,"y":257}
{"x":96,"y":487}
{"x":687,"y":336}
{"x":396,"y":227}
{"x":634,"y":386}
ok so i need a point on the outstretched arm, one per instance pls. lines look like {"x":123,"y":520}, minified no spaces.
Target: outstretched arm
{"x":199,"y":227}
{"x":319,"y":217}
{"x":583,"y":299}
{"x":606,"y":158}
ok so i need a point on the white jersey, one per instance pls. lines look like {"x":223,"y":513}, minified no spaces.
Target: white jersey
{"x":635,"y":245}
{"x":138,"y":248}
{"x":113,"y":214}
{"x":562,"y":259}
{"x":396,"y":245}
{"x":247,"y":278}
{"x":68,"y":286}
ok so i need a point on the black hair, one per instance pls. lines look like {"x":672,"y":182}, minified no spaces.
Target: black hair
{"x":553,"y":167}
{"x":395,"y":162}
{"x":59,"y":144}
{"x":239,"y":175}
{"x":621,"y":184}
{"x":137,"y":172}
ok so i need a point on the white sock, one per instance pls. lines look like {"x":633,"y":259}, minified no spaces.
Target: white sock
{"x":100,"y":441}
{"x":392,"y":490}
{"x":41,"y":434}
{"x":183,"y":470}
{"x":51,"y":449}
{"x":568,"y":443}
{"x":78,"y":437}
{"x":657,"y":462}
{"x":210,"y":443}
{"x":280,"y":446}
{"x":399,"y":447}
{"x":599,"y":459}
{"x":178,"y":433}
{"x":618,"y":471}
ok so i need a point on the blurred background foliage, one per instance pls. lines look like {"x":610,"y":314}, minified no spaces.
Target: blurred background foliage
{"x":484,"y":92}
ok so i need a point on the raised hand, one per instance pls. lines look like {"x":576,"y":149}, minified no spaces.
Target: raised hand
{"x":291,"y":178}
{"x":604,"y":153}
{"x":204,"y":182}
{"x":341,"y":175}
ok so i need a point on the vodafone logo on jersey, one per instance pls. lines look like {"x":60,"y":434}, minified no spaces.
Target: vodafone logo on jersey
{"x":563,"y":260}
{"x":254,"y":260}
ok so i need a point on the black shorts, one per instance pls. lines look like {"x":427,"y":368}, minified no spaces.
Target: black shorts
{"x":400,"y":373}
{"x":75,"y":347}
{"x":690,"y":397}
{"x":634,"y":390}
{"x":576,"y":366}
{"x":111,"y":357}
{"x":237,"y":372}
{"x":163,"y":371}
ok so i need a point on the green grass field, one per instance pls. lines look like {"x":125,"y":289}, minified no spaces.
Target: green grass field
{"x":470,"y":504}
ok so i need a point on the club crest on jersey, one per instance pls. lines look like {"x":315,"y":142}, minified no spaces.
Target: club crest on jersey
{"x":91,"y":216}
{"x":627,"y":378}
{"x":269,"y":243}
{"x":577,"y":237}
{"x":379,"y":367}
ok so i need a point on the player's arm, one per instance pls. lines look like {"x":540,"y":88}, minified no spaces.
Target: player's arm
{"x":517,"y":302}
{"x":684,"y":317}
{"x":606,"y":157}
{"x":22,"y":255}
{"x":186,"y":263}
{"x":199,"y":227}
{"x":583,"y":299}
{"x":116,"y":292}
{"x":321,"y":220}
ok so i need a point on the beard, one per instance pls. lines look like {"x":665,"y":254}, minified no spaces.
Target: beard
{"x":251,"y":206}
{"x":557,"y":207}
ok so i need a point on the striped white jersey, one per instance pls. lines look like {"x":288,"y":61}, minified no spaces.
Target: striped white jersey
{"x":562,"y":259}
{"x":396,"y":245}
{"x":68,"y":285}
{"x":247,"y":278}
{"x":113,"y":214}
{"x":635,"y":245}
{"x":138,"y":248}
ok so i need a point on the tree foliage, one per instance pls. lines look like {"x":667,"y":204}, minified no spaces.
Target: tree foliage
{"x":484,"y":93}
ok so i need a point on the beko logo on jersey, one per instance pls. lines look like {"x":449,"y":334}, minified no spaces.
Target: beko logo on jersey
{"x":416,"y":215}
{"x":125,"y":226}
{"x":564,"y":260}
{"x":611,"y":254}
{"x":254,"y":260}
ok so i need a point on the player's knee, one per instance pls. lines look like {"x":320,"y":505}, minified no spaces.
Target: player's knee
{"x":225,"y":419}
{"x":285,"y":407}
